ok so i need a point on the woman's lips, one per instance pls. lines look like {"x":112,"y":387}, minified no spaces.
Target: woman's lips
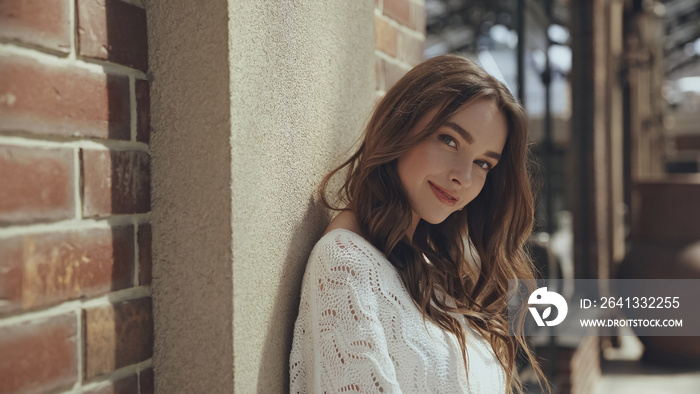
{"x":443,"y":196}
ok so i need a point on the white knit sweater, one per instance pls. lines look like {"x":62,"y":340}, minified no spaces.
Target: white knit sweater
{"x":358,"y":331}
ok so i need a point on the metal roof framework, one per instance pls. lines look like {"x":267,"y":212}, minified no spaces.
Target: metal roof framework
{"x":681,"y":35}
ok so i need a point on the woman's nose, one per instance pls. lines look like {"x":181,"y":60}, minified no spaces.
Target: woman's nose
{"x":462,"y":173}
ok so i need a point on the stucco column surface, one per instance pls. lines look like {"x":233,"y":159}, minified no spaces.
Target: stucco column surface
{"x":252,"y":103}
{"x":302,"y":83}
{"x":191,"y":196}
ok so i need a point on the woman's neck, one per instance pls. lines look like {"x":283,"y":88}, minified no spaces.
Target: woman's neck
{"x":345,"y":220}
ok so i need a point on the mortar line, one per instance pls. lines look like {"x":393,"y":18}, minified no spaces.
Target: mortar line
{"x":33,"y":140}
{"x":74,"y":224}
{"x":78,"y":187}
{"x":80,"y":346}
{"x":73,"y":22}
{"x":132,"y":107}
{"x":137,"y":265}
{"x":24,"y":316}
{"x":93,"y":65}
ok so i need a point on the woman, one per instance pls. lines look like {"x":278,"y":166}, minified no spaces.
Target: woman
{"x":406,"y":290}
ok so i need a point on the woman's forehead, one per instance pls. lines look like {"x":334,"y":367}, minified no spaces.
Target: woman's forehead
{"x":427,"y":117}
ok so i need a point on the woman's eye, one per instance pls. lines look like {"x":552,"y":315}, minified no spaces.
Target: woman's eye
{"x":483,"y":164}
{"x":448,"y":140}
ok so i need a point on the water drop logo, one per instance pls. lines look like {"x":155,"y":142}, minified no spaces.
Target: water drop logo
{"x":543,"y":297}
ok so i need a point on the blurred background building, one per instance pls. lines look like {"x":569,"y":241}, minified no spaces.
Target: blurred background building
{"x":611,"y":91}
{"x":151,"y":152}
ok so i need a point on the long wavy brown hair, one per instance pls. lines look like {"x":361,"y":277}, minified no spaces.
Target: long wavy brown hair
{"x":494,"y":226}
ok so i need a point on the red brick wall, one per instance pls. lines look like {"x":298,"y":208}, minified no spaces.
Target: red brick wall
{"x":399,"y":29}
{"x":75,"y":258}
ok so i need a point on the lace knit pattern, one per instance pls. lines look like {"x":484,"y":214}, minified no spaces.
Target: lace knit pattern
{"x":359,"y":331}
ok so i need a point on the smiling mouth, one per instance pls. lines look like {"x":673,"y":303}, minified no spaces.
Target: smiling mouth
{"x":441,"y":191}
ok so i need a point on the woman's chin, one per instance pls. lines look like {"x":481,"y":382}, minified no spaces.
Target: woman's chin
{"x":436,"y":219}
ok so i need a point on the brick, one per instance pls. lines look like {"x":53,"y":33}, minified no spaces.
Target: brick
{"x":146,"y":384}
{"x":392,"y":73}
{"x":145,"y":258}
{"x":39,"y":356}
{"x":115,"y":182}
{"x":113,"y":30}
{"x":126,"y":385}
{"x":65,"y":101}
{"x":43,"y":269}
{"x":398,"y":10}
{"x":379,"y":72}
{"x":418,"y":17}
{"x":117,"y":335}
{"x":378,"y":95}
{"x":143,"y":111}
{"x":37,"y":184}
{"x":410,"y":49}
{"x":43,"y":23}
{"x":385,"y":36}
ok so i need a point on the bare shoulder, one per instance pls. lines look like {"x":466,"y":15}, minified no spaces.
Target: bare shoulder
{"x":345,"y":220}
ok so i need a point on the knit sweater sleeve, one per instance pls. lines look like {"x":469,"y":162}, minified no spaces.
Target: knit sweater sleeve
{"x":339,"y":344}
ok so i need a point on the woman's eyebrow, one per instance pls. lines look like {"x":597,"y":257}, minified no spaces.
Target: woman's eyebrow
{"x":464,"y":133}
{"x":470,"y":140}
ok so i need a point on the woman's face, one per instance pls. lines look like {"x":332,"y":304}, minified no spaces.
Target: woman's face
{"x":448,"y":170}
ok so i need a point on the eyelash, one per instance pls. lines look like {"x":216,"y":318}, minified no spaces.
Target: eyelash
{"x":488,"y":165}
{"x":484,"y":165}
{"x":445,"y":136}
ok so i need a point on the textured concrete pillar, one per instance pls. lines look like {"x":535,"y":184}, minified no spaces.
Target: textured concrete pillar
{"x":252,"y":103}
{"x":191,"y":196}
